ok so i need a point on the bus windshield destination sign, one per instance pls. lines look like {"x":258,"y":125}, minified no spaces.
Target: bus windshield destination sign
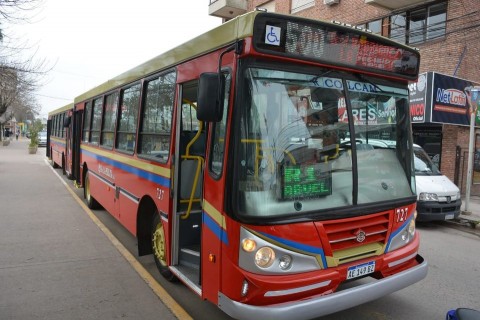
{"x":305,"y":181}
{"x":339,"y":45}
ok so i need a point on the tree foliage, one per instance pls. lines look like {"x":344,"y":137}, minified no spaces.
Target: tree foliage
{"x":21,"y":72}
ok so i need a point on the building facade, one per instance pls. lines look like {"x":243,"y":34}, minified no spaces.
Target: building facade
{"x":447,"y":33}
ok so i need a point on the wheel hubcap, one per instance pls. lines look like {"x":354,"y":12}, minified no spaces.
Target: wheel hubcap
{"x":159,"y":244}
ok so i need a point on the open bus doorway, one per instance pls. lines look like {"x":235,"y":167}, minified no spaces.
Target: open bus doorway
{"x":188,"y":196}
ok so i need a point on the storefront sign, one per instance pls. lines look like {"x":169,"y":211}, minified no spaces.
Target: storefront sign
{"x":418,"y":92}
{"x":449,"y":103}
{"x":438,"y":98}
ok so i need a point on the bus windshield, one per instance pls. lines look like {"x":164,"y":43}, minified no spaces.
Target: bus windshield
{"x":294,"y":146}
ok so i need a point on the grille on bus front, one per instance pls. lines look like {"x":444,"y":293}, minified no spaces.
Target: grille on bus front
{"x":357,"y":238}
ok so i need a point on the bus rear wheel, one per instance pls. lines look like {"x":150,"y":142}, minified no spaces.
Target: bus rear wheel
{"x":91,"y":202}
{"x":159,"y":248}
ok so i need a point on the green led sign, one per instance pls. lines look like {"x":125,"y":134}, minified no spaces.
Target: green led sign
{"x":306,"y":181}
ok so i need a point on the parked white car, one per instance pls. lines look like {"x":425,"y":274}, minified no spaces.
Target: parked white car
{"x":438,"y":197}
{"x":42,"y":138}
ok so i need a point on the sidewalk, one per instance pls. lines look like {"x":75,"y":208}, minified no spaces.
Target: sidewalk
{"x":55,"y":263}
{"x":471,"y":217}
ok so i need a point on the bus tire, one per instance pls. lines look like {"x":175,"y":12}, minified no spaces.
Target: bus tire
{"x":63,"y":165}
{"x":91,"y":202}
{"x":159,"y":248}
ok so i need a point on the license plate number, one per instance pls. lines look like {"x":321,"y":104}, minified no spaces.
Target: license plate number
{"x":360,"y":270}
{"x":449,"y":216}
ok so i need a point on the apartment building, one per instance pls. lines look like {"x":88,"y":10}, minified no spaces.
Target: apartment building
{"x":447,"y":33}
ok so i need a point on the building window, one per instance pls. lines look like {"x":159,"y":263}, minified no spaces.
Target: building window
{"x":398,"y":27}
{"x":375,"y":26}
{"x":419,"y":25}
{"x":436,"y":21}
{"x":299,"y":5}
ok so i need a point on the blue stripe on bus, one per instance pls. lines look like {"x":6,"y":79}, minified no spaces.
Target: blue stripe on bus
{"x":215,"y":228}
{"x":299,"y":246}
{"x":164,"y":182}
{"x":62,"y":144}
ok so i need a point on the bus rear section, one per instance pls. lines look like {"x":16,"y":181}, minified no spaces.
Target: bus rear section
{"x":59,"y":142}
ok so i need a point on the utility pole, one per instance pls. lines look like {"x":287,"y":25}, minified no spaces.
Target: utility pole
{"x":473,"y":99}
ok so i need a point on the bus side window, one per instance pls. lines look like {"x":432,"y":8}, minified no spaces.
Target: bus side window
{"x":157,"y":117}
{"x":86,"y":122}
{"x":96,"y":121}
{"x":128,"y":113}
{"x":109,"y":120}
{"x":219,"y":132}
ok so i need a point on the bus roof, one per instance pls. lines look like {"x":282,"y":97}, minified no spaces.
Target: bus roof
{"x":60,"y":110}
{"x":227,"y":33}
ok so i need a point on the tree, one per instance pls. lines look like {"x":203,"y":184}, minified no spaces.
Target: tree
{"x":19,"y":77}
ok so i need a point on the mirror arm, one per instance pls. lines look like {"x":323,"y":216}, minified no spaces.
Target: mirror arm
{"x":238,"y":47}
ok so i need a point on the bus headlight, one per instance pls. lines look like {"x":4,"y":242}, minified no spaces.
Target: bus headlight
{"x":402,"y":236}
{"x":261,"y":253}
{"x":248,"y":245}
{"x":285,"y":262}
{"x":264,"y":257}
{"x":425,"y":196}
{"x":411,"y":228}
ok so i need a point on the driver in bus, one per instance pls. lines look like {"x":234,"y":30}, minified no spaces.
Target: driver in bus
{"x":319,"y":112}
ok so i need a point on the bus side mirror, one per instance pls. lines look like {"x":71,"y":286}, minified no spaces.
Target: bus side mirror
{"x":210,"y":97}
{"x":67,"y":121}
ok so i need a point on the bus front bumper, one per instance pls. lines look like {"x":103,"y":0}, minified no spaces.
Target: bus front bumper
{"x":326,"y":304}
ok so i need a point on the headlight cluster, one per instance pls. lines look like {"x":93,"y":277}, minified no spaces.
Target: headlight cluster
{"x":259,"y":255}
{"x":425,"y":196}
{"x":403,"y":236}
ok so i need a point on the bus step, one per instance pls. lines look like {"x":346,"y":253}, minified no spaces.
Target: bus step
{"x":190,"y":256}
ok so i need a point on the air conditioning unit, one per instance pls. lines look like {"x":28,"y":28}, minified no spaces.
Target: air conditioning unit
{"x":330,"y":2}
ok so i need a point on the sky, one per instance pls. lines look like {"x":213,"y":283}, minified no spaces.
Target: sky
{"x":88,"y":42}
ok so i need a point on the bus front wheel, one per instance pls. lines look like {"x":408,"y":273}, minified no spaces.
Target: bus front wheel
{"x":159,"y":247}
{"x":91,"y":202}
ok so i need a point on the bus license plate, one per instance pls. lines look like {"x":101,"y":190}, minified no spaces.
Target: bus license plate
{"x":360,"y":270}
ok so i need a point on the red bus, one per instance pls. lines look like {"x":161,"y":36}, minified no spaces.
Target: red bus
{"x":59,"y":138}
{"x":241,"y":160}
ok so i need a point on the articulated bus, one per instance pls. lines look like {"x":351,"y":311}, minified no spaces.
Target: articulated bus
{"x":59,"y":133}
{"x":241,"y":160}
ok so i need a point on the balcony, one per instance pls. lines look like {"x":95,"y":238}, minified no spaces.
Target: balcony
{"x":227,"y":9}
{"x":394,"y":4}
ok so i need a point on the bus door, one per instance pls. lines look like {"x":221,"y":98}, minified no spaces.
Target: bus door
{"x":198,"y":225}
{"x":188,"y":195}
{"x":76,"y":125}
{"x":49,"y":132}
{"x":67,"y":167}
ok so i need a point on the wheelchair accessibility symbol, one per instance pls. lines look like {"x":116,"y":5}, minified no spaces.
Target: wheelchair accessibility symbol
{"x":272,"y":35}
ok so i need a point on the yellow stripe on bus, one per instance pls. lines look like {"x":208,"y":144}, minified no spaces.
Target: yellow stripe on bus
{"x":156,"y":169}
{"x":214,"y":214}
